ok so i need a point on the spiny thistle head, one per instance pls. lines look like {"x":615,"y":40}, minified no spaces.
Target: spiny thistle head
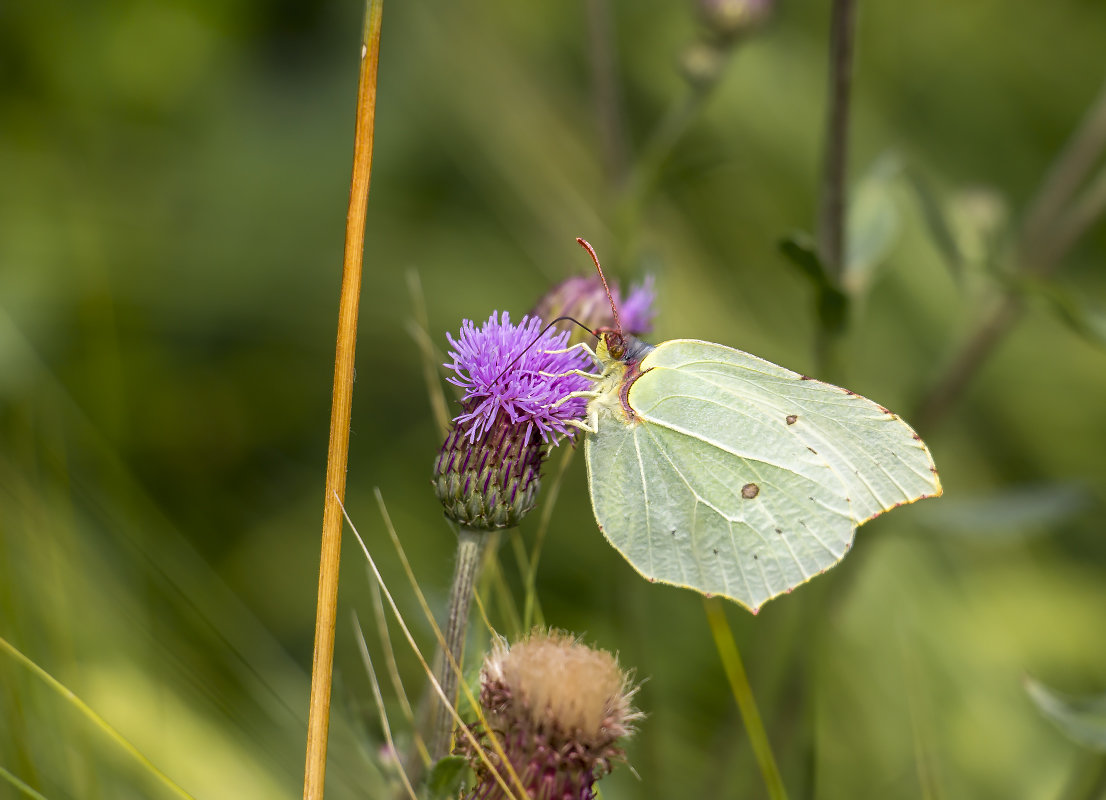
{"x":514,"y":407}
{"x":582,"y":298}
{"x":729,"y":19}
{"x":559,"y":709}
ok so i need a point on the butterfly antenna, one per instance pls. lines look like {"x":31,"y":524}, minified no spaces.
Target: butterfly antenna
{"x":534,"y":341}
{"x":584,"y":244}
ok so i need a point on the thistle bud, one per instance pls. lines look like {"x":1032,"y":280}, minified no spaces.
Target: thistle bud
{"x":559,"y":709}
{"x":583,"y":298}
{"x":517,"y":404}
{"x":491,"y":482}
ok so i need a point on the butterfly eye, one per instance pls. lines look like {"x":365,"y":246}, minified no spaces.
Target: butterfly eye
{"x":616,"y":345}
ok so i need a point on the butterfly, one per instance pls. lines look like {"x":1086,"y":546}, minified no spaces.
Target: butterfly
{"x":715,"y":470}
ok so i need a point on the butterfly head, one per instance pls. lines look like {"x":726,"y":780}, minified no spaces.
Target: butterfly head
{"x":615,"y":345}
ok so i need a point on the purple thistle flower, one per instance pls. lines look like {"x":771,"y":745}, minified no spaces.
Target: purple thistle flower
{"x":521,"y":396}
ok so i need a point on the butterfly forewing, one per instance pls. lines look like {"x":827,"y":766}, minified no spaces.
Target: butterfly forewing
{"x":879,"y":458}
{"x":741,"y":478}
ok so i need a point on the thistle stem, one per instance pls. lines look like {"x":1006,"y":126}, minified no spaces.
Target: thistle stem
{"x":470,"y":553}
{"x":739,"y":684}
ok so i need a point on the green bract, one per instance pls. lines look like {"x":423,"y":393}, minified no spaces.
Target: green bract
{"x":715,"y":470}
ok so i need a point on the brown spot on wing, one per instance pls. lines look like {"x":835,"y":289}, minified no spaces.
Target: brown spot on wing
{"x":749,"y":491}
{"x":791,"y":419}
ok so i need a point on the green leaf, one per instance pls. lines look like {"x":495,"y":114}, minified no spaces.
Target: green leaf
{"x":444,"y":780}
{"x":873,"y":223}
{"x":801,"y":251}
{"x":1081,"y":719}
{"x":832,"y":303}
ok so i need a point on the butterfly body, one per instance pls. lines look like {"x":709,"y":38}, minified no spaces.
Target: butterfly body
{"x":716,"y":470}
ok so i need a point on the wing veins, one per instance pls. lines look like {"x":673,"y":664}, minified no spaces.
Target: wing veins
{"x":709,"y":505}
{"x":828,"y":439}
{"x":818,"y":539}
{"x":775,"y":523}
{"x":705,"y":440}
{"x":731,"y":521}
{"x":846,"y":397}
{"x":645,"y":494}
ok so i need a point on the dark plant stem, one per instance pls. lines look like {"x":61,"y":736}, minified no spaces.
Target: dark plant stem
{"x":470,"y":553}
{"x":318,"y":721}
{"x":832,"y":201}
{"x":831,"y":212}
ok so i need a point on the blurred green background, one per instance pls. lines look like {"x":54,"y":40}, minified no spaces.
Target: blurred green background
{"x":173,"y":182}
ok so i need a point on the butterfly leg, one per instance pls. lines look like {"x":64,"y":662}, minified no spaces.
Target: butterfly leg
{"x":573,"y":395}
{"x":591,"y":376}
{"x":591,"y":426}
{"x":579,"y":345}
